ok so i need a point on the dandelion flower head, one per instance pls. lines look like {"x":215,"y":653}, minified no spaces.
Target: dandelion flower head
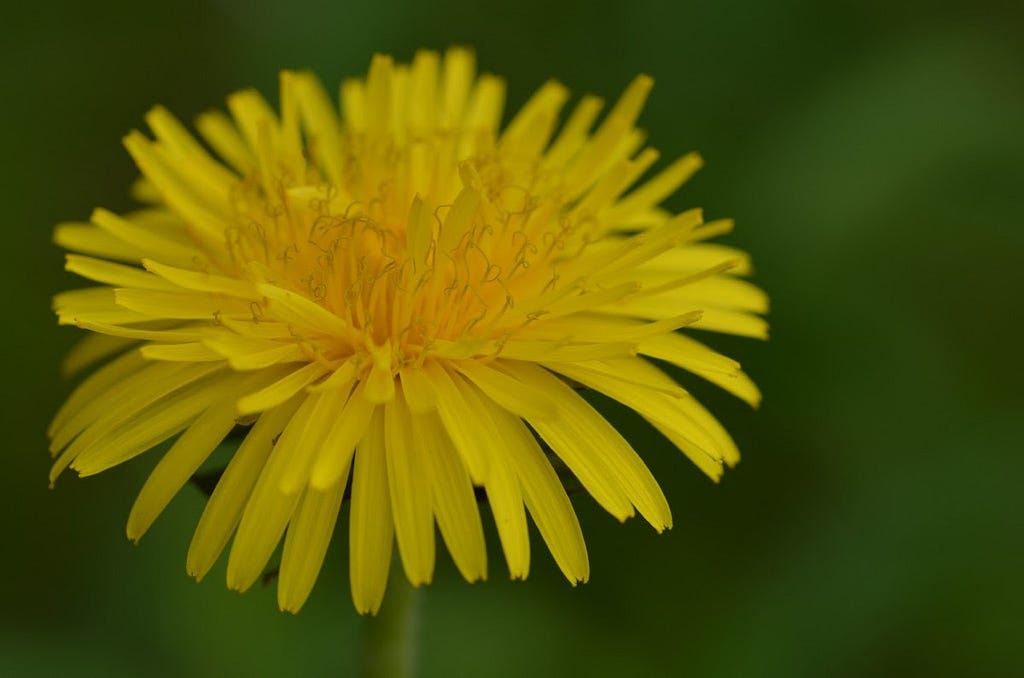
{"x":397,"y":303}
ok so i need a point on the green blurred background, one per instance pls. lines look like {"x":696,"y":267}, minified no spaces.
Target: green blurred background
{"x":873,"y":156}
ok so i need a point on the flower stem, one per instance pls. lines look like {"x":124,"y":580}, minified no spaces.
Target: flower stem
{"x":391,"y":640}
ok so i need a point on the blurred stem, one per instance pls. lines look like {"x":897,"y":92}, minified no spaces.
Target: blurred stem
{"x":391,"y":640}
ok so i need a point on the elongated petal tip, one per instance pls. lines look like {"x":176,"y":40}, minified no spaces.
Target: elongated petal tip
{"x":195,"y":572}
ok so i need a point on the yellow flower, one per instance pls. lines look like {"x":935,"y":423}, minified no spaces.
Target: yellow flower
{"x":400,"y":301}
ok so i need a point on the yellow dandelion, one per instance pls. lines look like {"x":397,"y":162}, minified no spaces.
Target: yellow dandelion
{"x":399,"y":301}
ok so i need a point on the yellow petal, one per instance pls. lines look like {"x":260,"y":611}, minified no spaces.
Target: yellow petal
{"x":545,"y":497}
{"x":574,"y":133}
{"x":564,"y":352}
{"x":178,"y":190}
{"x":288,"y":306}
{"x":244,"y":354}
{"x":371,"y":529}
{"x":410,"y":495}
{"x":190,"y":352}
{"x":454,"y":502}
{"x":305,"y":544}
{"x":319,"y":426}
{"x":322,"y":124}
{"x":281,"y":390}
{"x":669,"y":412}
{"x":348,"y":429}
{"x":184,"y":459}
{"x":269,"y":509}
{"x":419,"y":394}
{"x":109,"y":410}
{"x":151,"y":426}
{"x":254,"y":117}
{"x":595,"y":452}
{"x":88,"y":239}
{"x":218,"y":131}
{"x":93,"y":305}
{"x":532,"y":125}
{"x":664,"y":184}
{"x":224,"y":507}
{"x":177,"y":153}
{"x":202,"y":282}
{"x":87,"y":392}
{"x":141,"y":238}
{"x":715,"y":319}
{"x":180,"y":305}
{"x":502,"y":485}
{"x":91,"y":349}
{"x":510,"y":393}
{"x":606,"y":144}
{"x":700,"y":257}
{"x":459,"y":68}
{"x":720,"y":291}
{"x":452,"y":407}
{"x":689,"y":354}
{"x":117,"y":275}
{"x":171,"y":334}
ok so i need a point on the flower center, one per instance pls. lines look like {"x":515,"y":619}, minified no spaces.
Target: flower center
{"x":408,"y":277}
